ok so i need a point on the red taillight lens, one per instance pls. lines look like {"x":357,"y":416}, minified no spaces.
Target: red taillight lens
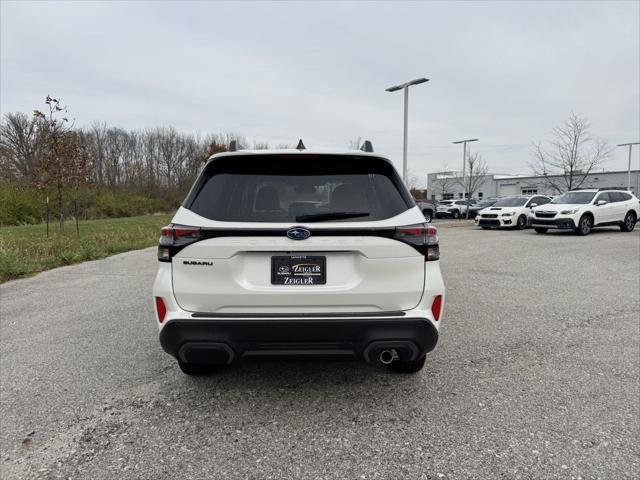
{"x":436,"y":307}
{"x":173,"y":238}
{"x":161,"y":309}
{"x":172,"y":233}
{"x":422,"y":237}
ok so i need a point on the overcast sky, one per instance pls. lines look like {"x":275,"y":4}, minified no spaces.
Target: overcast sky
{"x":503,"y":72}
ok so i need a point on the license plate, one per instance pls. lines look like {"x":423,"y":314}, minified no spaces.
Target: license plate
{"x":298,"y":270}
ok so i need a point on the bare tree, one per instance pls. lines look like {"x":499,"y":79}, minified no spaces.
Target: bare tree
{"x":443,"y":181}
{"x":79,"y":168}
{"x":65,"y":161}
{"x":96,"y":139}
{"x":571,"y":156}
{"x":476,"y":171}
{"x":20,"y":147}
{"x":413,"y":180}
{"x":355,"y":144}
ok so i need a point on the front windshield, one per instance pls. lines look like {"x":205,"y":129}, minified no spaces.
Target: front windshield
{"x":511,"y":202}
{"x":574,"y":198}
{"x":448,"y":202}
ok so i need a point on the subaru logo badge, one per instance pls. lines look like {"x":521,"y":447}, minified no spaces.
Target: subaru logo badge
{"x":298,"y":233}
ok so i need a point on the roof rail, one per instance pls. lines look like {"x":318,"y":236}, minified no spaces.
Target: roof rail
{"x":624,"y":189}
{"x":367,"y":146}
{"x":233,"y":146}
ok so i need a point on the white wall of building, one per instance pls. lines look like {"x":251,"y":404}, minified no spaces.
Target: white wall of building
{"x":495,"y":185}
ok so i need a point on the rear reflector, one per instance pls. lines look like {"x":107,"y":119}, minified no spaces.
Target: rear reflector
{"x":436,"y":307}
{"x":161,"y":309}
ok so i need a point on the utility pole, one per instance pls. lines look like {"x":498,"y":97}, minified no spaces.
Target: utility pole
{"x":464,"y":163}
{"x":630,"y":145}
{"x":405,"y":135}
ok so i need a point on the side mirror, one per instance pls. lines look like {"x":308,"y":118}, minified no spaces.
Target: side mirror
{"x":599,"y":203}
{"x":533,"y":205}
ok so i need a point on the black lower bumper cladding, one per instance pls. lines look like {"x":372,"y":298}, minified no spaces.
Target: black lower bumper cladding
{"x":488,"y":223}
{"x":221,"y":341}
{"x":561,"y":223}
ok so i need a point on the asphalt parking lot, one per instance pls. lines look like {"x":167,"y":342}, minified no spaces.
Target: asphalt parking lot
{"x":536,"y":376}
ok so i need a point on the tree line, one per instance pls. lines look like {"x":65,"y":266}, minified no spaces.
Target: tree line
{"x":151,"y":159}
{"x":47,"y":152}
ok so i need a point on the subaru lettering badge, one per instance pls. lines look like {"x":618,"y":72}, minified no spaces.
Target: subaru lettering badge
{"x":298,"y":233}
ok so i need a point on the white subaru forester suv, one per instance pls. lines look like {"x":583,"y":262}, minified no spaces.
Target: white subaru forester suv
{"x":298,"y":253}
{"x":582,"y":210}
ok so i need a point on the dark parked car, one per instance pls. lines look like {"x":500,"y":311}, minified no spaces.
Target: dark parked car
{"x":476,"y":207}
{"x":428,"y":208}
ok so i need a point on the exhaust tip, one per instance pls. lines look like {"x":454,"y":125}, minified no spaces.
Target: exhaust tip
{"x":388,"y":356}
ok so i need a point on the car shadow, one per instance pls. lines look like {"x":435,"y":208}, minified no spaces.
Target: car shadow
{"x":571,"y":233}
{"x":302,"y":379}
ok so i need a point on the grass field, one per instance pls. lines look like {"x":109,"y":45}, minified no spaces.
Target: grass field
{"x":25,"y":250}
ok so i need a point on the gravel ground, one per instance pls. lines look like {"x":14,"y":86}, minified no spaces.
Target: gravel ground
{"x":536,"y":376}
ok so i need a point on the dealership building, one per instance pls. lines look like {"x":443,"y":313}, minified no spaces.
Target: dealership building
{"x":446,"y":185}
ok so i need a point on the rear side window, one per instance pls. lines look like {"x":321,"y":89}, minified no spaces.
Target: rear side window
{"x":619,"y":196}
{"x":298,"y":188}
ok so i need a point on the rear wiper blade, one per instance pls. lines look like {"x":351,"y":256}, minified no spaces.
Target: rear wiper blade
{"x":318,"y":217}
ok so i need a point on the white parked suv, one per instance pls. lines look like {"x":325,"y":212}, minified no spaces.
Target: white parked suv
{"x":298,"y":253}
{"x":510,"y":212}
{"x":581,"y":210}
{"x":452,"y":208}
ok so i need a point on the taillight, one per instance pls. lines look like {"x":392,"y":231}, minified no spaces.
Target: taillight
{"x":161,"y":309}
{"x":173,"y":238}
{"x":422,"y":237}
{"x":436,"y":307}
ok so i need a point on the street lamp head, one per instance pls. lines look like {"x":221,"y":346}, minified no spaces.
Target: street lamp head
{"x":417,"y":81}
{"x":627,"y":144}
{"x":465,"y":141}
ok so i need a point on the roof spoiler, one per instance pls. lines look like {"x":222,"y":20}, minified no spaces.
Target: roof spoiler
{"x":367,"y":146}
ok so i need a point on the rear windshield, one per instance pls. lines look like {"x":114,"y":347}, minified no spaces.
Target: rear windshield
{"x":275,"y":188}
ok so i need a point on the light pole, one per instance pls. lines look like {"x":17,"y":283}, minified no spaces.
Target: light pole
{"x":630,"y":145}
{"x":405,"y":87}
{"x":464,"y":163}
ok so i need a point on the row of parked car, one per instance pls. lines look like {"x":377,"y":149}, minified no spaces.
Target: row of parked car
{"x":577,"y":210}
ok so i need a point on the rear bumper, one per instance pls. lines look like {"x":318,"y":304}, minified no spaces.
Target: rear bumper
{"x":559,"y":223}
{"x":224,"y":341}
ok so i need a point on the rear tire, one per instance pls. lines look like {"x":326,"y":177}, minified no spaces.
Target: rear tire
{"x":428,"y":216}
{"x":197,"y":368}
{"x":585,"y":224}
{"x":629,"y":222}
{"x":541,"y":230}
{"x":411,"y":366}
{"x":522,"y":222}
